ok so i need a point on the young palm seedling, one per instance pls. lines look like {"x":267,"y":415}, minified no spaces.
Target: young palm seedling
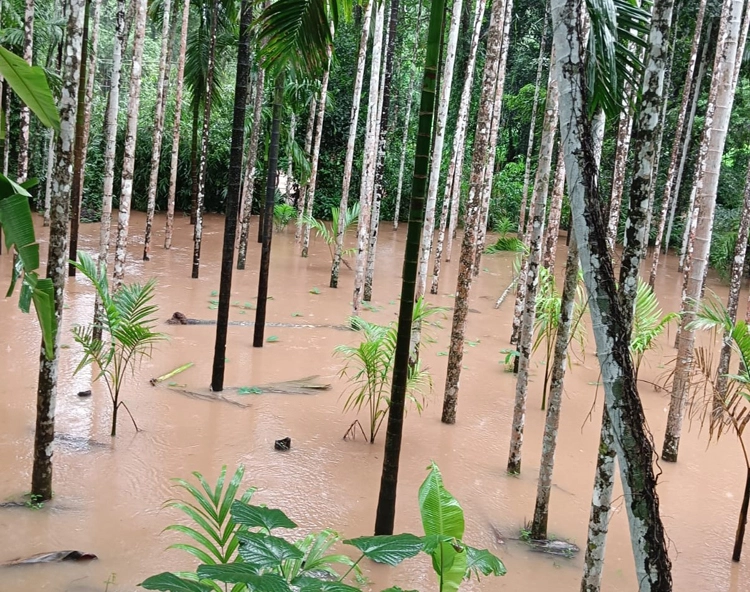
{"x":648,"y":323}
{"x":328,"y":232}
{"x":127,"y":329}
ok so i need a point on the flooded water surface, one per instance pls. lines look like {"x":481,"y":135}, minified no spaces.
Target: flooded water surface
{"x":109,"y":493}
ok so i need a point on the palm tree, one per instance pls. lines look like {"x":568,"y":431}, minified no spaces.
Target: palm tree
{"x":41,"y":475}
{"x":295,"y":37}
{"x":233,"y":196}
{"x":386,"y":511}
{"x":25,"y":115}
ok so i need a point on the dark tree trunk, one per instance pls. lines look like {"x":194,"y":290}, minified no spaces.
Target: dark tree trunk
{"x":78,"y":149}
{"x":740,"y":536}
{"x":194,"y":161}
{"x":267,"y":217}
{"x":233,"y":196}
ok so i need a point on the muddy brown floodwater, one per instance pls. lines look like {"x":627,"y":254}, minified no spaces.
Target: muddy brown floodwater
{"x":109,"y":492}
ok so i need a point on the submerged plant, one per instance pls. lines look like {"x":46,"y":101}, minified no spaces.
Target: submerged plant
{"x":504,"y":242}
{"x":648,"y":323}
{"x":328,"y":231}
{"x":369,"y":368}
{"x":283,"y":214}
{"x":268,"y":561}
{"x":127,"y":329}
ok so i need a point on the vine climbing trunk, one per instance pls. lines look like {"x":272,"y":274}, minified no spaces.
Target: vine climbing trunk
{"x":128,"y":161}
{"x":174,"y":162}
{"x":203,"y":164}
{"x":44,"y":433}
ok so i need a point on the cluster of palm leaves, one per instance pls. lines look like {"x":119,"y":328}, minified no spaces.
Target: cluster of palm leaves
{"x":122,"y":337}
{"x":504,"y":242}
{"x":327,"y":230}
{"x":283,"y":214}
{"x":369,"y":367}
{"x":648,"y":323}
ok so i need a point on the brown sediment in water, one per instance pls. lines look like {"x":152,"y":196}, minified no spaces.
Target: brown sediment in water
{"x":108,"y":499}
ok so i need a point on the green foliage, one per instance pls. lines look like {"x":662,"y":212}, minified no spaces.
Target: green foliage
{"x":369,"y":369}
{"x":128,"y":321}
{"x":648,"y":323}
{"x":257,"y":560}
{"x":30,"y":84}
{"x":504,"y":242}
{"x":507,"y":191}
{"x":283,"y":213}
{"x":328,"y":231}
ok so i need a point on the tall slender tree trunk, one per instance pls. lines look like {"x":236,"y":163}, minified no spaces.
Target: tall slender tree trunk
{"x":250,"y":170}
{"x":6,"y":144}
{"x":402,"y":160}
{"x":233,"y":195}
{"x":622,"y":149}
{"x":437,"y":148}
{"x":162,"y":82}
{"x":352,"y":139}
{"x":110,"y":150}
{"x":453,"y":181}
{"x":386,"y":511}
{"x":302,"y":201}
{"x":480,"y":158}
{"x":489,"y":170}
{"x":555,"y":212}
{"x":720,"y":101}
{"x":194,"y":148}
{"x":79,"y":149}
{"x":532,"y":125}
{"x":552,"y":422}
{"x":44,"y":435}
{"x":48,"y":184}
{"x":267,"y":224}
{"x":366,"y":193}
{"x":25,"y":115}
{"x":205,"y":136}
{"x":128,"y":161}
{"x":541,"y":188}
{"x":383,"y":117}
{"x":677,"y":143}
{"x":180,"y":83}
{"x":610,"y":320}
{"x":288,"y":195}
{"x":316,"y":152}
{"x":531,"y":279}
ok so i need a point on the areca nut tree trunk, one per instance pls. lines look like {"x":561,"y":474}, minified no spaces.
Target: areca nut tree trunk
{"x":158,"y":132}
{"x":366,"y":192}
{"x":302,"y":201}
{"x":677,"y":143}
{"x":489,"y":170}
{"x":352,"y":139}
{"x":386,"y":511}
{"x":318,"y":134}
{"x":233,"y":195}
{"x":79,"y":148}
{"x":180,"y":85}
{"x":128,"y":161}
{"x":25,"y":115}
{"x":531,"y":281}
{"x":110,"y":150}
{"x":251,"y":169}
{"x":609,"y":321}
{"x":428,"y":230}
{"x":541,"y":188}
{"x":453,"y":180}
{"x":480,"y":157}
{"x":555,"y":213}
{"x":532,"y":125}
{"x":44,"y":433}
{"x":205,"y":136}
{"x":720,"y":102}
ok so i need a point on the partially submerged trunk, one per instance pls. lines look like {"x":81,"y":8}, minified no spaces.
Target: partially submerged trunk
{"x":720,"y":101}
{"x":532,"y":125}
{"x":44,"y":434}
{"x":250,"y":170}
{"x":453,"y":181}
{"x":677,"y":143}
{"x":368,"y":165}
{"x":128,"y":161}
{"x":352,"y":139}
{"x":316,"y":152}
{"x":176,"y":127}
{"x":162,"y":83}
{"x":480,"y":159}
{"x":610,"y":322}
{"x":203,"y":164}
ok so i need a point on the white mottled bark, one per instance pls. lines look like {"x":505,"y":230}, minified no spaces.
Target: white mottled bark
{"x":308,"y":153}
{"x":25,"y":115}
{"x":48,"y":184}
{"x":720,"y":102}
{"x":128,"y":162}
{"x":555,"y":212}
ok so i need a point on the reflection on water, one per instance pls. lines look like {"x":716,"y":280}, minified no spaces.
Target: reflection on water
{"x":109,"y":494}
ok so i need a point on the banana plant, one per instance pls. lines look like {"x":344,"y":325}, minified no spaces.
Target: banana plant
{"x":272,"y":563}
